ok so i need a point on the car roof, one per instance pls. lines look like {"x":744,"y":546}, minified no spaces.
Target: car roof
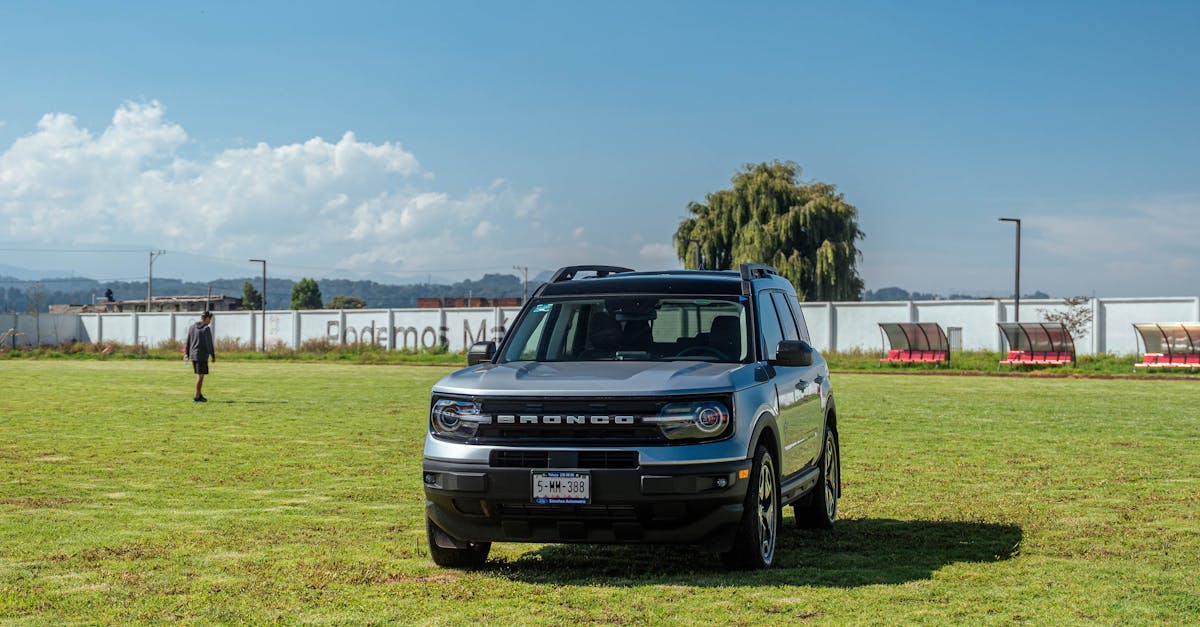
{"x":715,"y":282}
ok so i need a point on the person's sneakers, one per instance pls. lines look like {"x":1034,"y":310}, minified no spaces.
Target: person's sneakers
{"x":199,"y":399}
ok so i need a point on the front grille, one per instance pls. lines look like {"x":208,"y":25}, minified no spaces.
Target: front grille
{"x":529,"y":434}
{"x":580,"y":434}
{"x":608,"y":459}
{"x":519,"y":459}
{"x":563,"y":459}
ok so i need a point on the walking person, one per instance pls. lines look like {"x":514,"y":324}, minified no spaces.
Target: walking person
{"x":199,"y":349}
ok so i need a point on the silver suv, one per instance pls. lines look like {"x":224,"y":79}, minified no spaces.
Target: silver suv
{"x":636,"y":407}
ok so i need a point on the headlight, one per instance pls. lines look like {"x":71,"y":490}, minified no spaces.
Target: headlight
{"x":456,"y":419}
{"x":699,"y":419}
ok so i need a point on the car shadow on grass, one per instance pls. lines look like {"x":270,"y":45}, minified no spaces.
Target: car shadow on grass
{"x":282,"y":401}
{"x":857,"y":552}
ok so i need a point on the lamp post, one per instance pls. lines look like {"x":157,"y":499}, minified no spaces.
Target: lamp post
{"x":1017,"y":286}
{"x":150,"y":277}
{"x":264,"y":301}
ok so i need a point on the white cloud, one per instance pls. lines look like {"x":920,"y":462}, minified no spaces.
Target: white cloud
{"x":1149,"y":243}
{"x":345,"y":203}
{"x":658,"y":251}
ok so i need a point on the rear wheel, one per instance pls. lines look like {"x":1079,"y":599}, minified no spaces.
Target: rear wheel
{"x":820,"y":511}
{"x":451,"y":553}
{"x":757,"y":533}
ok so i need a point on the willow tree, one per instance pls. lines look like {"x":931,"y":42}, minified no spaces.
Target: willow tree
{"x":806,"y":230}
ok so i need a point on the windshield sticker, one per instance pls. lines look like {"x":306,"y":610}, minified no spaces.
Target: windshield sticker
{"x":543,"y":308}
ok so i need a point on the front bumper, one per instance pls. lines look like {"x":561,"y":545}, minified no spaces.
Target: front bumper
{"x":676,"y":504}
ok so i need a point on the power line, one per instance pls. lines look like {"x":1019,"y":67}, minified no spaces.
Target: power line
{"x":70,"y":250}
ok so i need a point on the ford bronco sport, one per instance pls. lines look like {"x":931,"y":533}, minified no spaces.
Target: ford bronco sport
{"x":636,"y":407}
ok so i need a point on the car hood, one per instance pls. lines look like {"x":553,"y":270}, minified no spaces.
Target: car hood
{"x":591,"y":378}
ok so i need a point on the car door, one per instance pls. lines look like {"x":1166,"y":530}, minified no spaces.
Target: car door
{"x":799,"y":390}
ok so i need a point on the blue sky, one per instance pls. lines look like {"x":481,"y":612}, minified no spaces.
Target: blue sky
{"x":487,"y":135}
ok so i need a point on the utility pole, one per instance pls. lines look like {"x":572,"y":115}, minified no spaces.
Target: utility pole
{"x":150,"y":279}
{"x":264,"y":301}
{"x":1017,"y":286}
{"x":524,"y":283}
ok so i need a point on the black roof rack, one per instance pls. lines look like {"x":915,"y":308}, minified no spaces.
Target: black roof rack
{"x":569,"y":272}
{"x":751,"y":271}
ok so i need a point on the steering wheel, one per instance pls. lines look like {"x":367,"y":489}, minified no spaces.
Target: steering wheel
{"x":703,"y":350}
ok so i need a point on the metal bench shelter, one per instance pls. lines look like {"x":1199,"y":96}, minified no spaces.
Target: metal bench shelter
{"x":1169,"y":345}
{"x":1037,"y":344}
{"x":915,"y":342}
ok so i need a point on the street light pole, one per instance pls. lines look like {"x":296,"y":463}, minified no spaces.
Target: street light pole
{"x":150,"y":277}
{"x":524,"y":283}
{"x":264,"y":301}
{"x":1017,"y":286}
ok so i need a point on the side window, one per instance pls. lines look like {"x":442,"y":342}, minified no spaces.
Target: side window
{"x":785,"y":316}
{"x":799,"y":313}
{"x":768,"y":325}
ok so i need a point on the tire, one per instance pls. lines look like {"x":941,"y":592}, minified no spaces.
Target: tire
{"x":758,"y":532}
{"x":820,"y":510}
{"x":471,"y":557}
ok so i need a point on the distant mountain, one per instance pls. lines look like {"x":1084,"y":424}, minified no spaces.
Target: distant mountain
{"x":897,"y":293}
{"x":25,"y":274}
{"x":17,"y":294}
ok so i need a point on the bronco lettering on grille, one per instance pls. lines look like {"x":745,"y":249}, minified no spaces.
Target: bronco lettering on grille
{"x":512,"y":419}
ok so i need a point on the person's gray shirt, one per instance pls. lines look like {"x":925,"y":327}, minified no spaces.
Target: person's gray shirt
{"x":200,"y":342}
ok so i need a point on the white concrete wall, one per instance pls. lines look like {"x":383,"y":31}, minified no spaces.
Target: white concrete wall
{"x":1117,"y":316}
{"x":832,"y":326}
{"x":49,"y":329}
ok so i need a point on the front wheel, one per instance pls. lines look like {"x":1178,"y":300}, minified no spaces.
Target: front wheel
{"x":450,"y":553}
{"x":754,"y":545}
{"x":820,"y":512}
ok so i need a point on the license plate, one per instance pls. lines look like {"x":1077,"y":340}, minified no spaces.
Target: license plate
{"x":562,"y":487}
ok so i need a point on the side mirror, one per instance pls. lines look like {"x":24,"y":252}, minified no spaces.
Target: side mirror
{"x":796,"y":353}
{"x":481,"y":352}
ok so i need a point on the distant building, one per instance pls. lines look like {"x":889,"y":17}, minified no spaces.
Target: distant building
{"x":218,"y":302}
{"x":442,"y":303}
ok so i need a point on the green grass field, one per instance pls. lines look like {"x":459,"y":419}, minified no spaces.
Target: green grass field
{"x":295,"y":496}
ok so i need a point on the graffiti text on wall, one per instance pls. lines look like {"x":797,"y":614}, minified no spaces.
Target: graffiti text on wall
{"x":411,"y":338}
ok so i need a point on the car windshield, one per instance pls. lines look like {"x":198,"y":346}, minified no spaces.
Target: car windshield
{"x":638,"y":327}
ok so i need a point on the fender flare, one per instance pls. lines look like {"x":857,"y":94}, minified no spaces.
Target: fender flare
{"x":764,"y":420}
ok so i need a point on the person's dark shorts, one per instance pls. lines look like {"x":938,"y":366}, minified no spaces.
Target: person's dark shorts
{"x":200,"y":367}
